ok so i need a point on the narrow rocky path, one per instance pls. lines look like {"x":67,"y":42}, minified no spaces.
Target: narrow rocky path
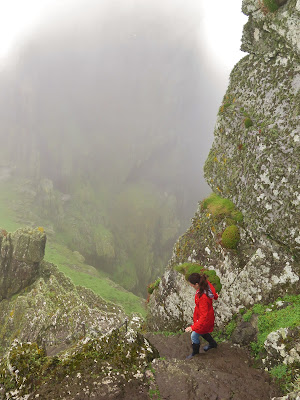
{"x":224,"y":373}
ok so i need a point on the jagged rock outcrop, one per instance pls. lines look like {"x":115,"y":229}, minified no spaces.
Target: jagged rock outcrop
{"x":58,"y":339}
{"x":111,"y":367}
{"x":20,"y":256}
{"x":49,"y":309}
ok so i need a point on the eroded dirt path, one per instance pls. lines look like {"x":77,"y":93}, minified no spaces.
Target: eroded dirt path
{"x":224,"y":373}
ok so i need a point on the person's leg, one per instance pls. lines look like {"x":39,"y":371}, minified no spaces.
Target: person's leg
{"x":211,"y":342}
{"x":195,"y":344}
{"x":195,"y":337}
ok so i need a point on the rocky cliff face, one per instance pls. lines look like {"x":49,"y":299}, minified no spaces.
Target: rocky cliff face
{"x":254,"y":159}
{"x":58,"y":339}
{"x":254,"y":163}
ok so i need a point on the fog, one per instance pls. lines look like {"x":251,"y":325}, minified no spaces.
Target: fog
{"x":113,"y":95}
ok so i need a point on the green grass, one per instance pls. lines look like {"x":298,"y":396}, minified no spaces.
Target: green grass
{"x":8,"y":218}
{"x":89,"y":277}
{"x":152,"y":286}
{"x":274,"y":320}
{"x":269,"y":321}
{"x":287,"y":376}
{"x":219,"y":206}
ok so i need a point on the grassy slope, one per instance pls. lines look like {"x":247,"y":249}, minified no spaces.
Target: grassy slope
{"x":88,"y":276}
{"x":66,"y":261}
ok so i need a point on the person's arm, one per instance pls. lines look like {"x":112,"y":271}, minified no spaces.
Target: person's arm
{"x":212,"y":288}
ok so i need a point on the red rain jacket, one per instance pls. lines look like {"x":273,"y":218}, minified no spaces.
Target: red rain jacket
{"x":204,"y":316}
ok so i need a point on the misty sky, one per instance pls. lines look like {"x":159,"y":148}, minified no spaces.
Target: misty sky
{"x":161,"y":66}
{"x":167,"y":62}
{"x":220,"y":23}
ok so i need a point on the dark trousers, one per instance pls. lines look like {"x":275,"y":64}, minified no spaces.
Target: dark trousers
{"x":209,"y":338}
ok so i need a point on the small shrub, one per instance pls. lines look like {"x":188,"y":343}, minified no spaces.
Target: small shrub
{"x":231,"y":237}
{"x":152,"y":286}
{"x":271,"y":5}
{"x":279,"y":371}
{"x":219,"y":206}
{"x":189,"y":268}
{"x":230,"y":328}
{"x":248,"y":122}
{"x":286,"y":376}
{"x":256,"y":348}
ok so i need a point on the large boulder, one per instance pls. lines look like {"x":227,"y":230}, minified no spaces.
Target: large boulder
{"x":20,"y":255}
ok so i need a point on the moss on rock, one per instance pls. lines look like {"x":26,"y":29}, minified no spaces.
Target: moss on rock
{"x":108,"y":362}
{"x":189,"y":268}
{"x":231,"y":237}
{"x":271,"y":5}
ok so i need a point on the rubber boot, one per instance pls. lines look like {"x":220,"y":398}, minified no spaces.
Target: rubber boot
{"x":196,"y":348}
{"x":212,"y":344}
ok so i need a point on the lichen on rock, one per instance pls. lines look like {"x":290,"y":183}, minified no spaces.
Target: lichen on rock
{"x":254,"y":163}
{"x":95,"y":367}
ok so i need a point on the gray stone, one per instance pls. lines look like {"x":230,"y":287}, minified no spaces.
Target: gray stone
{"x":20,"y":256}
{"x":244,"y":333}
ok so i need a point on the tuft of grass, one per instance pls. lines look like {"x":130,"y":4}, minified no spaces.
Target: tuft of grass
{"x":286,"y":376}
{"x":247,"y":315}
{"x":279,"y":371}
{"x":230,"y":328}
{"x":219,"y":206}
{"x":248,"y":122}
{"x":152,"y":286}
{"x":189,"y":268}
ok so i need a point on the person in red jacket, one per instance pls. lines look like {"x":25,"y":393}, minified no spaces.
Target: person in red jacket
{"x":204,"y":316}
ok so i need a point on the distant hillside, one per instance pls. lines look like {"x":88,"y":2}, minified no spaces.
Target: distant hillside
{"x":15,"y":213}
